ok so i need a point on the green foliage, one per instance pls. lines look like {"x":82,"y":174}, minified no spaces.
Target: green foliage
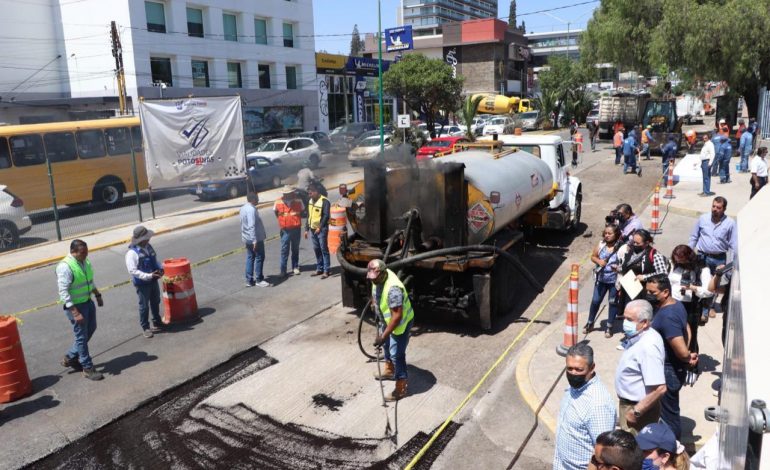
{"x":512,"y":15}
{"x":426,"y":85}
{"x":563,"y":85}
{"x":357,"y":45}
{"x":468,"y":113}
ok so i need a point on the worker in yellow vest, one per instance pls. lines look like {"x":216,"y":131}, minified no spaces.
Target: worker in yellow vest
{"x":391,"y":301}
{"x":318,"y":213}
{"x":75,"y":279}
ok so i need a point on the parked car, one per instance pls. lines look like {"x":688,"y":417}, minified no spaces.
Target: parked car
{"x":499,"y":125}
{"x":320,"y":138}
{"x":14,"y":221}
{"x":351,"y":131}
{"x":368,"y":149}
{"x":528,"y":120}
{"x":264,"y":174}
{"x":220,"y":189}
{"x":451,"y":130}
{"x":291,"y":152}
{"x":439,"y":144}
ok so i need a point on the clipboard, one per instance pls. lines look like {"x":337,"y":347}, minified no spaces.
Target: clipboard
{"x":630,"y":284}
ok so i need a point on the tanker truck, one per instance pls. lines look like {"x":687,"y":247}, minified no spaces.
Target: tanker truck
{"x":448,"y":226}
{"x":500,"y":104}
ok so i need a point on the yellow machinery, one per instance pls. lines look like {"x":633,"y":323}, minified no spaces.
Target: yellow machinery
{"x":500,"y":104}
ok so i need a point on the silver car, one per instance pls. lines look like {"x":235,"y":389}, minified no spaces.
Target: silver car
{"x":14,"y":220}
{"x":368,"y":149}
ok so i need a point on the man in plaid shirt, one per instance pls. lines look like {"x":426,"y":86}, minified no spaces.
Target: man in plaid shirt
{"x":587,"y":410}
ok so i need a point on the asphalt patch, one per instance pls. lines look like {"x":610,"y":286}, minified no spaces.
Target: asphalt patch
{"x":177,"y":430}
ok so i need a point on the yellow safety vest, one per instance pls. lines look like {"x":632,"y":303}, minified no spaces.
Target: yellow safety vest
{"x":407,"y":313}
{"x":82,"y":281}
{"x":314,"y":212}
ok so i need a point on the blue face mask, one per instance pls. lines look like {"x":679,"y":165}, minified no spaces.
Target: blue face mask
{"x":629,"y":328}
{"x":648,"y":465}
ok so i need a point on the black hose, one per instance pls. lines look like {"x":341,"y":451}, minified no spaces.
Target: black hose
{"x":458,"y":250}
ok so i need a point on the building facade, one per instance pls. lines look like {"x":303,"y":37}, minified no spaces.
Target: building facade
{"x":428,"y":17}
{"x":263,"y":51}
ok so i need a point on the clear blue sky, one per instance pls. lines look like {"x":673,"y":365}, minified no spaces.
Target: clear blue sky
{"x":338,"y":17}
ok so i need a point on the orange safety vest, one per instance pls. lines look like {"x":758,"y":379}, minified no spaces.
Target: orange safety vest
{"x":618,"y":139}
{"x":724,"y":130}
{"x":646,"y":136}
{"x":289,"y":216}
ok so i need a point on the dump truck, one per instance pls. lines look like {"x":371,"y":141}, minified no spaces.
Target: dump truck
{"x":625,"y":108}
{"x":500,"y":104}
{"x":448,"y":226}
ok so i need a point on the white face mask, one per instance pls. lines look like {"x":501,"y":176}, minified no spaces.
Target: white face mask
{"x":629,"y":328}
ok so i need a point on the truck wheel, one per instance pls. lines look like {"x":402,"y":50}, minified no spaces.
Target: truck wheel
{"x":108,"y":191}
{"x":578,"y":211}
{"x":9,"y":236}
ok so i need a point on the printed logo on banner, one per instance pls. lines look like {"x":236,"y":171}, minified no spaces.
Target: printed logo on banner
{"x":478,"y":217}
{"x":195,"y":131}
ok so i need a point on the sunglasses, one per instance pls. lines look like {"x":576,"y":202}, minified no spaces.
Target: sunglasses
{"x":595,"y":462}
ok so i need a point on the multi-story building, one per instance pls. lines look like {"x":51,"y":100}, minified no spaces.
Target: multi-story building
{"x":262,"y":50}
{"x":427,"y":17}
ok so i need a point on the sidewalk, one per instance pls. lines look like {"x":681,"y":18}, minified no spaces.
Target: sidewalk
{"x":539,"y":367}
{"x":47,"y":253}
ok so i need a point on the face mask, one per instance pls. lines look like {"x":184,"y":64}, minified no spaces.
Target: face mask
{"x":629,"y":328}
{"x":638,"y":249}
{"x":652,"y":299}
{"x":576,"y":381}
{"x":647,"y":464}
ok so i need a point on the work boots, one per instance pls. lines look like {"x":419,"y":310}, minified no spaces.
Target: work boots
{"x":399,"y":392}
{"x":387,"y":373}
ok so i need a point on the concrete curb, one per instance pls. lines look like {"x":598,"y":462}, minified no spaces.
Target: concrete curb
{"x":48,"y":261}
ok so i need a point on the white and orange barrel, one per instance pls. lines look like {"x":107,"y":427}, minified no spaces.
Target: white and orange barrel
{"x":179,"y":299}
{"x":337,"y":228}
{"x":14,"y":378}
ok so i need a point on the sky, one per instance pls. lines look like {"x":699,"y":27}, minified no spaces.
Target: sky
{"x":337,"y":17}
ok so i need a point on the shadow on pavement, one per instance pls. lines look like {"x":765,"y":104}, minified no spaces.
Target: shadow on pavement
{"x":420,"y":380}
{"x":22,"y":409}
{"x":119,"y":364}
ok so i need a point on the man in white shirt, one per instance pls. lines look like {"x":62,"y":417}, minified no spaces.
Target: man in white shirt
{"x":706,"y":159}
{"x":640,"y":380}
{"x":758,"y":171}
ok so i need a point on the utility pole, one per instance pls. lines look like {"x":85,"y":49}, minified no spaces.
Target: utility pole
{"x":117,"y":53}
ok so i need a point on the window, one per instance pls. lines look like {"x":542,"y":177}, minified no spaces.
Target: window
{"x":160,"y":68}
{"x":234,"y":75}
{"x":230,"y":27}
{"x":264,"y":75}
{"x":260,"y":31}
{"x":60,"y":146}
{"x":27,"y":150}
{"x":118,"y":141}
{"x":288,"y":35}
{"x":195,"y":22}
{"x":136,"y":138}
{"x":200,"y":73}
{"x":291,"y":77}
{"x":90,"y":144}
{"x":5,"y":155}
{"x":156,"y":17}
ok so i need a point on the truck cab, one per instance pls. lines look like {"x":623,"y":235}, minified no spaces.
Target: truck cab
{"x":565,"y":208}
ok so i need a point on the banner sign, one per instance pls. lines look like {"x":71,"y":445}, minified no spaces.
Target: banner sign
{"x":452,"y":57}
{"x":365,"y":66}
{"x":192,"y":140}
{"x":399,"y":39}
{"x":359,"y":105}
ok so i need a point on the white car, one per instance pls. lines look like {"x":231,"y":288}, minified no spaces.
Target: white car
{"x":529,"y":120}
{"x":14,"y":220}
{"x":368,"y":149}
{"x":499,"y":125}
{"x":290,"y":152}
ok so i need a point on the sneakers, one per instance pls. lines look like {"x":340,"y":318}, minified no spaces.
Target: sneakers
{"x":249,"y":284}
{"x":92,"y":374}
{"x":71,"y":362}
{"x":296,"y":271}
{"x":156,"y":328}
{"x":263,"y":283}
{"x":608,"y":333}
{"x":148,"y":334}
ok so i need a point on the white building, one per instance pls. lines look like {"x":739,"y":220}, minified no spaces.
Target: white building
{"x":56,"y":50}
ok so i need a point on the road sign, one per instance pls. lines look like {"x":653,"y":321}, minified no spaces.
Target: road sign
{"x":403,"y":121}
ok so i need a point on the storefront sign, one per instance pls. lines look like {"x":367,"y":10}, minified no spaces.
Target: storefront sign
{"x":399,"y":39}
{"x":452,"y":57}
{"x":329,"y":64}
{"x":365,"y":66}
{"x":360,"y":106}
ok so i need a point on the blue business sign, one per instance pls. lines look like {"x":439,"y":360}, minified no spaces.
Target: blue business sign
{"x":399,"y":39}
{"x":365,"y":66}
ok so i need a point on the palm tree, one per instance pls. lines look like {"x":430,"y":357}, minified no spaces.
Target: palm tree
{"x":468,"y":111}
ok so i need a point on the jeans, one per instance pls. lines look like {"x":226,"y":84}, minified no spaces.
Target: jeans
{"x":290,"y":240}
{"x":629,"y":162}
{"x":618,"y":153}
{"x":321,"y":249}
{"x":745,"y":160}
{"x":600,"y":289}
{"x":83,"y":333}
{"x":666,"y":162}
{"x":592,"y":139}
{"x":396,"y":351}
{"x":669,"y":403}
{"x":255,"y":258}
{"x":724,"y":169}
{"x":706,"y":170}
{"x":149,"y":299}
{"x":762,"y":183}
{"x":646,"y":151}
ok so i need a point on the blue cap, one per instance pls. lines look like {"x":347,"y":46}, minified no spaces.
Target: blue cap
{"x":657,"y":436}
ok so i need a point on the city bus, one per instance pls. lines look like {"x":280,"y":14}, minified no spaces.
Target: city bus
{"x":89,"y":160}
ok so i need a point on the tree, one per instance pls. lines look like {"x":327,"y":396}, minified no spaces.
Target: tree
{"x":426,"y":85}
{"x":512,"y":15}
{"x":563,"y":85}
{"x":468,"y":113}
{"x":357,"y":45}
{"x":523,"y":27}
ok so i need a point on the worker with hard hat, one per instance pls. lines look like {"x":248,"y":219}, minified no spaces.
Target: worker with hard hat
{"x":288,"y":209}
{"x":391,"y":302}
{"x":724,"y":129}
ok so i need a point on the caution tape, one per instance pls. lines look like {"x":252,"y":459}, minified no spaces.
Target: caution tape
{"x":177,"y":278}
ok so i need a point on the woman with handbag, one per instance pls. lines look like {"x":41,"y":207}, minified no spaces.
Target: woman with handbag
{"x":690,"y":282}
{"x":605,"y":258}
